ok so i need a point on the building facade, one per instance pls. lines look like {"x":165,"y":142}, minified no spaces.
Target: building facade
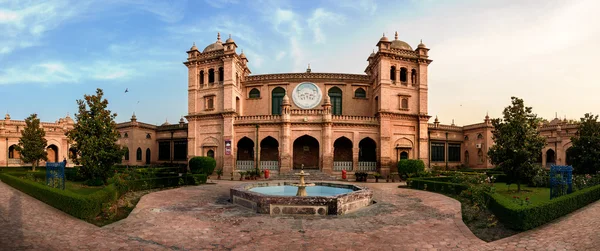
{"x":325,"y":121}
{"x":281,"y":122}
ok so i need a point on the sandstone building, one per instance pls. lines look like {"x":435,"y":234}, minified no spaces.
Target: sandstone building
{"x":325,"y":121}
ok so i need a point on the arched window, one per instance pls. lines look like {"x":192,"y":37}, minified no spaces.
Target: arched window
{"x":480,"y":156}
{"x":201,"y":76}
{"x":237,"y":79}
{"x":126,"y":153}
{"x":148,"y":156}
{"x":360,"y":93}
{"x":404,"y":103}
{"x":211,"y":76}
{"x":467,"y":158}
{"x":393,"y":73}
{"x":119,"y":136}
{"x":479,"y":136}
{"x":221,"y":74}
{"x":403,"y":75}
{"x":254,"y":93}
{"x":148,"y":136}
{"x":376,"y":104}
{"x":336,"y":100}
{"x":413,"y":76}
{"x":276,"y":100}
{"x":126,"y":135}
{"x":404,"y":155}
{"x":210,"y":153}
{"x":466,"y":137}
{"x":138,"y":154}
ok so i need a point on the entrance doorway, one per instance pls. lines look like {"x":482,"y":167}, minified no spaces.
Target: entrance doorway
{"x":306,"y":152}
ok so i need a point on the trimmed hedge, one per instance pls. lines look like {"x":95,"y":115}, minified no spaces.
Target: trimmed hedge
{"x":528,"y":217}
{"x":136,"y":185}
{"x":80,"y":206}
{"x":205,"y":165}
{"x":89,"y":206}
{"x":437,"y":184}
{"x":408,"y":166}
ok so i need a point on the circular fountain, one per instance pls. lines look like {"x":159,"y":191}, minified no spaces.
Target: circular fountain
{"x":286,"y":198}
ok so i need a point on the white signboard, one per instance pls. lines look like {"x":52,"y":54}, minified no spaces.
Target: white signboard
{"x":307,"y":95}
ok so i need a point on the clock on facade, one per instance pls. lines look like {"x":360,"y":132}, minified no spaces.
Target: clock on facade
{"x":307,"y":95}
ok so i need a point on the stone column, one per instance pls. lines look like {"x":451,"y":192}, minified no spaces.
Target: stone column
{"x":285,"y":159}
{"x":383,"y":149}
{"x":355,"y":151}
{"x":228,"y":134}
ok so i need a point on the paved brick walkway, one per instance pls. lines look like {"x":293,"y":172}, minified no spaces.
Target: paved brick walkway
{"x":199,"y":218}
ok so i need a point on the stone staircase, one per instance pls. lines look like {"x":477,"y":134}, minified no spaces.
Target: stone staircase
{"x":314,"y":176}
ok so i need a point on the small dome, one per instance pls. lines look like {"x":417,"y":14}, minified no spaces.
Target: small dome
{"x":555,"y":121}
{"x":229,"y":40}
{"x":242,"y":55}
{"x":286,"y":100}
{"x":384,"y":38}
{"x":372,"y":54}
{"x":194,"y":48}
{"x":327,"y":100}
{"x":422,"y":45}
{"x":165,"y":124}
{"x":69,"y":120}
{"x":399,"y":44}
{"x":7,"y":116}
{"x":218,"y":45}
{"x":181,"y":120}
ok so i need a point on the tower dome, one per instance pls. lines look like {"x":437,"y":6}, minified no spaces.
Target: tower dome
{"x":242,"y":55}
{"x":399,"y":44}
{"x":384,"y":38}
{"x":194,"y":48}
{"x":218,"y":45}
{"x":229,"y":40}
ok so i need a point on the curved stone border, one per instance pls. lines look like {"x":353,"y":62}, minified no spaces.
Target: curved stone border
{"x":293,"y":205}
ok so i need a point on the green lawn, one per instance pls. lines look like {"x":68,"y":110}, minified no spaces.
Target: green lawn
{"x":78,"y":187}
{"x":535,"y":194}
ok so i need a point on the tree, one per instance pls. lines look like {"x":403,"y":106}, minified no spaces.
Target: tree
{"x":517,"y":142}
{"x":94,"y":137}
{"x":584,"y":155}
{"x":32,"y":144}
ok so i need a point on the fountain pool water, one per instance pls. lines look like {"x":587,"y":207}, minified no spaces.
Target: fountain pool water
{"x":287,"y":190}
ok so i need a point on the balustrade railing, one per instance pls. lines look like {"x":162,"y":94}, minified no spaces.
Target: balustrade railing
{"x":244,"y":165}
{"x":354,"y":118}
{"x":307,"y":112}
{"x":15,"y":162}
{"x":367,"y":166}
{"x":269,"y":164}
{"x":258,"y":117}
{"x":342,"y":165}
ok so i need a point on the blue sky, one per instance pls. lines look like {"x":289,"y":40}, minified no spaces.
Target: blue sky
{"x":54,"y":52}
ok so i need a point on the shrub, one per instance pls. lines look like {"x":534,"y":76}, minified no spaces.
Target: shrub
{"x":205,"y":165}
{"x":437,"y":184}
{"x":540,"y":177}
{"x":94,"y":182}
{"x":528,"y":217}
{"x":410,"y":166}
{"x":73,"y":174}
{"x":145,"y":184}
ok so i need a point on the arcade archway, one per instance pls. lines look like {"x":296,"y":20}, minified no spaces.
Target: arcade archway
{"x":306,"y":152}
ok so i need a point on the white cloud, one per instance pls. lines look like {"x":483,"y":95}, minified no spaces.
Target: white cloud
{"x":280,"y":55}
{"x":167,"y":11}
{"x":48,"y":73}
{"x":320,"y":17}
{"x":29,"y":21}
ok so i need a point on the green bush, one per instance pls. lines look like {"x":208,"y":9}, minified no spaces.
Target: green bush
{"x":72,"y":174}
{"x":437,"y":184}
{"x":205,"y":165}
{"x":528,"y":217}
{"x":410,"y":166}
{"x":80,"y":206}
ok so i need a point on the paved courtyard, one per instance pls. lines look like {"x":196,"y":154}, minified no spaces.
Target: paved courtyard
{"x":201,"y":218}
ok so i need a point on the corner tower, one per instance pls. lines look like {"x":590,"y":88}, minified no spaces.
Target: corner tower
{"x":398,"y":74}
{"x":215,"y":76}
